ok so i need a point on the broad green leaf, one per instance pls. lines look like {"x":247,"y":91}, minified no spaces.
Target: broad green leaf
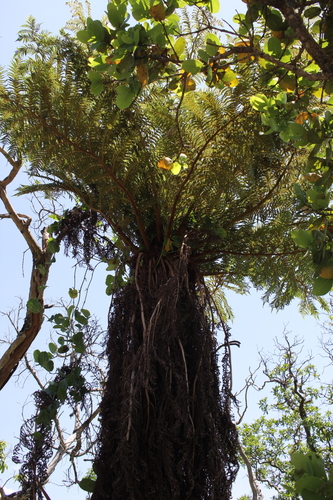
{"x":41,"y":269}
{"x":282,"y":98}
{"x":312,"y":12}
{"x":274,"y":20}
{"x":192,"y":66}
{"x":112,"y":266}
{"x":125,"y":96}
{"x":44,"y":418}
{"x":321,"y":286}
{"x":296,"y":129}
{"x":53,"y":246}
{"x":116,"y":14}
{"x":214,"y":6}
{"x":239,"y":18}
{"x":97,"y":28}
{"x":94,"y":76}
{"x":63,"y":349}
{"x":84,"y":36}
{"x":212,"y":46}
{"x":62,"y":390}
{"x":96,"y":88}
{"x":229,"y":76}
{"x":302,"y":238}
{"x":52,"y":347}
{"x":44,"y":359}
{"x":205,"y":57}
{"x":87,"y":484}
{"x":34,"y":306}
{"x":273,"y":47}
{"x":36,"y":355}
{"x":310,"y":483}
{"x":82,"y":320}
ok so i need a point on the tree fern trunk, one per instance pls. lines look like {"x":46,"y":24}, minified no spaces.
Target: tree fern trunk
{"x":166,"y":431}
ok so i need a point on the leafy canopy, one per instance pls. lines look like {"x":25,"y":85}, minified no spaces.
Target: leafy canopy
{"x":195,"y":165}
{"x":288,"y":44}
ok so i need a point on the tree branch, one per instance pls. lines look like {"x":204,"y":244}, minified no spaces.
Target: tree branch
{"x":256,"y":491}
{"x":41,"y":258}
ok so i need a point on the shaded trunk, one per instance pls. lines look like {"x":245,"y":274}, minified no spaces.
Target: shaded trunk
{"x":166,"y":430}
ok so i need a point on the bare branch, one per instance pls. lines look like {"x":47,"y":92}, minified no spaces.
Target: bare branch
{"x":16,"y":165}
{"x":64,"y":449}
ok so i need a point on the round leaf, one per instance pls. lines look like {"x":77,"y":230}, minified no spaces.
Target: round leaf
{"x":192,"y":66}
{"x":321,"y":286}
{"x":87,"y":484}
{"x":125,"y":96}
{"x":34,"y":306}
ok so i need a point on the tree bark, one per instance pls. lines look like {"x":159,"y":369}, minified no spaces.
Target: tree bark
{"x":166,"y":429}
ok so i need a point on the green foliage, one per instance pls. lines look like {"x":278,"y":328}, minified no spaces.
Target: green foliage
{"x":311,"y":480}
{"x":116,"y":163}
{"x":34,"y":306}
{"x":297,"y":78}
{"x":295,"y":422}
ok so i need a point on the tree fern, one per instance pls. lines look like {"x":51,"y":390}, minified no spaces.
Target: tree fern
{"x":226,"y":214}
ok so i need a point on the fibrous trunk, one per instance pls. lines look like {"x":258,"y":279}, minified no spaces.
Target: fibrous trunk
{"x":166,"y":431}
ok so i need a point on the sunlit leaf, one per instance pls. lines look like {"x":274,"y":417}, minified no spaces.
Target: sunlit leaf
{"x":180,"y":45}
{"x":302,"y":238}
{"x":176,"y":168}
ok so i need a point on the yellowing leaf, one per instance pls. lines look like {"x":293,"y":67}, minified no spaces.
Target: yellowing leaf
{"x":180,"y":46}
{"x":232,"y":83}
{"x":176,"y":168}
{"x":142,"y":74}
{"x":302,"y":117}
{"x":190,"y":84}
{"x":244,"y":57}
{"x":165,"y":163}
{"x":157,"y":12}
{"x":288,"y":83}
{"x":73,"y":293}
{"x":221,"y":50}
{"x":312,"y":177}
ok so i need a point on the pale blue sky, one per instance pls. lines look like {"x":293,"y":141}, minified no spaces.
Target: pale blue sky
{"x":255,"y":326}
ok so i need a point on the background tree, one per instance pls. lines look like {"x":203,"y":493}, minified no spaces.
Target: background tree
{"x":295,"y":418}
{"x":178,"y":200}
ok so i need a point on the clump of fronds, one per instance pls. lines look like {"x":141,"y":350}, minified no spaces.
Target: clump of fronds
{"x":84,"y":234}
